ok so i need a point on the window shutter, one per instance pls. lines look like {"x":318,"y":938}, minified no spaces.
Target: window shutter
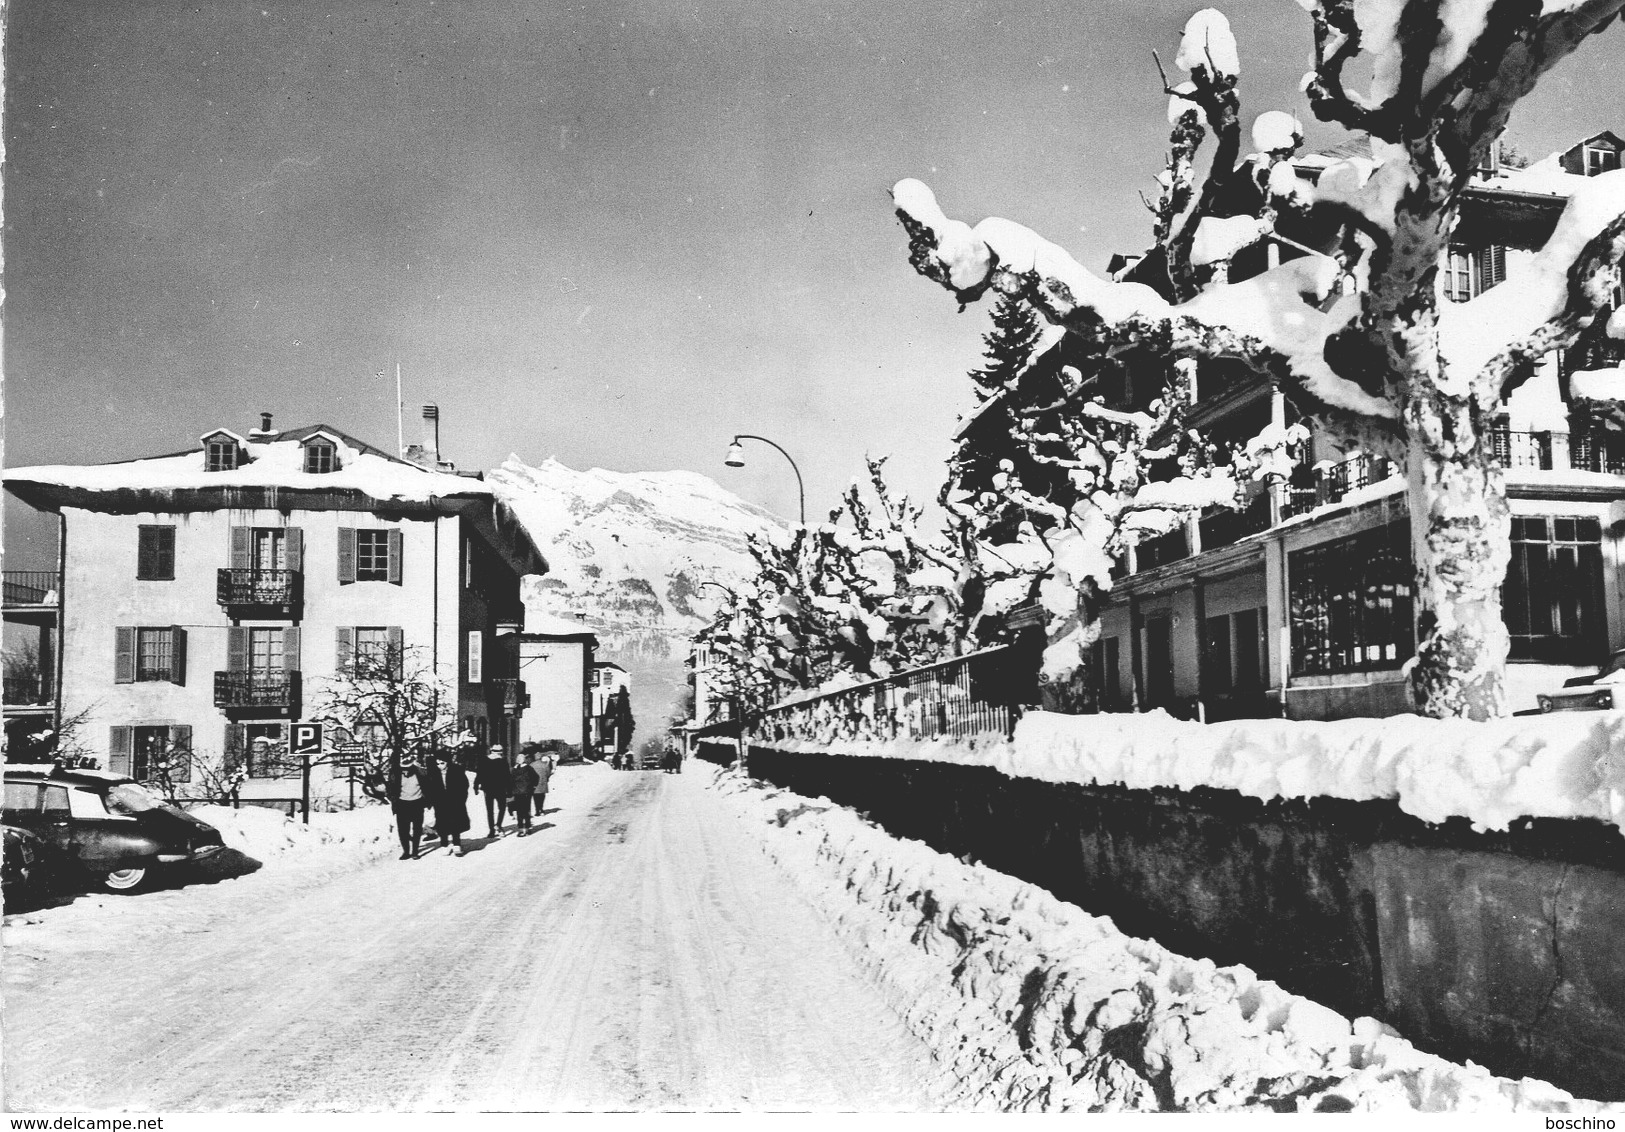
{"x":242,"y":548}
{"x":476,"y":657}
{"x":397,"y":650}
{"x":118,"y":757}
{"x":290,"y":649}
{"x":395,"y":555}
{"x":295,"y":548}
{"x":236,"y":648}
{"x":346,"y":555}
{"x":234,"y":747}
{"x":180,"y":752}
{"x":166,"y":555}
{"x":346,"y":648}
{"x":123,"y":655}
{"x":177,"y":655}
{"x":1492,"y":267}
{"x":146,"y":553}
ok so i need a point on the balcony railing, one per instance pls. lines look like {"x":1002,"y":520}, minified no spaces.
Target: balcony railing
{"x":23,"y":691}
{"x":1522,"y":449}
{"x":1597,"y":452}
{"x":32,"y":587}
{"x":256,"y":689}
{"x":1161,"y":550}
{"x":263,"y":588}
{"x":1223,"y":526}
{"x":977,"y":697}
{"x":1336,"y":482}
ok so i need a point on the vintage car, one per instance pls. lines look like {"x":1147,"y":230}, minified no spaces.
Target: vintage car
{"x":1601,"y":692}
{"x":23,"y":853}
{"x":104,"y":825}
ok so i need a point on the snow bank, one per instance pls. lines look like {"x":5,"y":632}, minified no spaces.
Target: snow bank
{"x":1566,"y":765}
{"x":1033,"y":1004}
{"x":348,"y":836}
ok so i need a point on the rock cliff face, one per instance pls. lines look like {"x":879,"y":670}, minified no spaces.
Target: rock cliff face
{"x":631,"y":550}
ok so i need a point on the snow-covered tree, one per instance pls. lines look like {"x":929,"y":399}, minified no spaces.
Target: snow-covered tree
{"x":1357,"y":336}
{"x":390,"y":702}
{"x":1007,"y":347}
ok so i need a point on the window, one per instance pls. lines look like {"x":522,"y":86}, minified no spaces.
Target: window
{"x":371,"y":646}
{"x":476,"y":657}
{"x":370,"y":555}
{"x":1552,"y":598}
{"x":263,"y":750}
{"x":1218,"y":677}
{"x":1469,"y":273}
{"x":1350,"y":603}
{"x":220,"y":455}
{"x":21,"y":798}
{"x":154,"y":653}
{"x":270,"y":548}
{"x":321,"y":457}
{"x":371,"y":651}
{"x":265,"y":650}
{"x":155,"y":553}
{"x":1600,"y":159}
{"x":149,"y":653}
{"x":148,"y":752}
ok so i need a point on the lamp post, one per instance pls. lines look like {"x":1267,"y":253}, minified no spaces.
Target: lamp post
{"x":736,"y":459}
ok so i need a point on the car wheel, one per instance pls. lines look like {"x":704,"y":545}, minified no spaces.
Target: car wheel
{"x":124,"y":880}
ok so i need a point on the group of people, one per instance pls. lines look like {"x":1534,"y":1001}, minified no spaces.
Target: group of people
{"x":417,"y":787}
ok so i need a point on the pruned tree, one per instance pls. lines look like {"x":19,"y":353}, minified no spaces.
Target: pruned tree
{"x":390,"y":702}
{"x":1356,"y":334}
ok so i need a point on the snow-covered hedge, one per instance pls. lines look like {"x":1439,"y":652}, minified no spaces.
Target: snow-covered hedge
{"x":1032,"y":1004}
{"x":1565,"y":765}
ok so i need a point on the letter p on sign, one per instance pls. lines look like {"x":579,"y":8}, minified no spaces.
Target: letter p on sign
{"x":305,"y":739}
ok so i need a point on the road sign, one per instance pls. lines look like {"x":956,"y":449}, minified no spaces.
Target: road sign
{"x":349,"y":754}
{"x":305,"y":739}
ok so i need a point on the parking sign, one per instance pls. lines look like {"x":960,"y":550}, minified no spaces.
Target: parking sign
{"x":305,"y":739}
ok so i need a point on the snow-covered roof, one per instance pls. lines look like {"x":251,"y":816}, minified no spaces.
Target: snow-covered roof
{"x":275,"y":462}
{"x":539,"y":623}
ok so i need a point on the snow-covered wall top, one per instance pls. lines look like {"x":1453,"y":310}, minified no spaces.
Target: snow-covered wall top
{"x":1567,"y":765}
{"x":269,"y":464}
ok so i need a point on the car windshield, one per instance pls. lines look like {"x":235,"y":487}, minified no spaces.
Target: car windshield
{"x":128,"y":798}
{"x":1616,"y":663}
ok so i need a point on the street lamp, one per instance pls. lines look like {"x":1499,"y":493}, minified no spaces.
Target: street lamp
{"x":736,"y":459}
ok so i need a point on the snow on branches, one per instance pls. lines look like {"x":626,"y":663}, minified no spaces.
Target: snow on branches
{"x":1348,"y":326}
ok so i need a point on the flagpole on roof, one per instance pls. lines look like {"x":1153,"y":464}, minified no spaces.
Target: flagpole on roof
{"x":400,"y":432}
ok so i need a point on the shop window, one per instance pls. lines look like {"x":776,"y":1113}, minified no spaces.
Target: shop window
{"x":1350,"y":603}
{"x":1552,"y":597}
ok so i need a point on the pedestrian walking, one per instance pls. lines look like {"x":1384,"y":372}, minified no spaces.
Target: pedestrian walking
{"x":409,"y":789}
{"x":543,"y":768}
{"x":524,"y":781}
{"x":449,"y":796}
{"x":495,"y":779}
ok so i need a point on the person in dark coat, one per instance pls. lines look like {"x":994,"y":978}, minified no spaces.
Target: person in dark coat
{"x":410,"y":788}
{"x":494,"y":777}
{"x":524,"y":782}
{"x":450,"y":800}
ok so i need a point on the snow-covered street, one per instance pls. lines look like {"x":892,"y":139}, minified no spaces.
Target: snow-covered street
{"x":637,"y":952}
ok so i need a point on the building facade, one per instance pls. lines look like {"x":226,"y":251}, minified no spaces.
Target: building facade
{"x":556,"y":665}
{"x":1300,"y":604}
{"x":211,"y":598}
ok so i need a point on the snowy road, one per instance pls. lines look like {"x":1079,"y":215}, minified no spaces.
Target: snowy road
{"x":639,"y":954}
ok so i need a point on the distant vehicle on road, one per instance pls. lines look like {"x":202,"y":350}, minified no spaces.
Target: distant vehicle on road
{"x":106,"y":826}
{"x":1601,"y":692}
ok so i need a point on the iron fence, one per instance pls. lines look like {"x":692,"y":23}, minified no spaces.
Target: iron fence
{"x":235,"y":586}
{"x":256,"y":689}
{"x":971,"y":697}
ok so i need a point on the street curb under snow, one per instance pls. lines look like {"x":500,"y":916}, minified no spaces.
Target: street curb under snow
{"x":1032,"y":1004}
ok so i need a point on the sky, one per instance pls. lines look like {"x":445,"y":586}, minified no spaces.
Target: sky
{"x":613,"y":233}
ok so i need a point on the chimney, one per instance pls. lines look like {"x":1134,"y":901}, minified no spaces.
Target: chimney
{"x":431,"y":435}
{"x":265,"y":431}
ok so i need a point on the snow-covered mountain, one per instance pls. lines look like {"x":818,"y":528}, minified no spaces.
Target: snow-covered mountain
{"x":630,"y":550}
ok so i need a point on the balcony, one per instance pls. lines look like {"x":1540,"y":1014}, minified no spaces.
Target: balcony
{"x":1223,"y":526}
{"x":268,"y":691}
{"x":33,"y":596}
{"x":1335,"y":482}
{"x":259,"y":589}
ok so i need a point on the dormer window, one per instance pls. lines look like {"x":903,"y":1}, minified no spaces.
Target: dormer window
{"x":321,"y":457}
{"x":1600,"y":159}
{"x":222,"y":452}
